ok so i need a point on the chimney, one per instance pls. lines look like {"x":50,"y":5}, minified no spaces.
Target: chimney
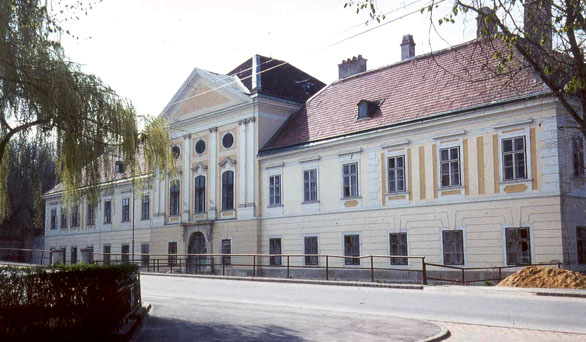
{"x":407,"y":47}
{"x":486,"y":23}
{"x":351,"y":67}
{"x":255,"y":74}
{"x":537,"y":22}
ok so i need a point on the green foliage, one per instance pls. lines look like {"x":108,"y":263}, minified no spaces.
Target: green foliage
{"x":45,"y":96}
{"x":65,"y":302}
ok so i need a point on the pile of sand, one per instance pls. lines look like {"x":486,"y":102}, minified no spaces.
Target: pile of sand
{"x":545,"y":277}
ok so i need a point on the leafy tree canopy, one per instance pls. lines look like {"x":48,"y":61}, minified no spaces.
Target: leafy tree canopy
{"x":548,"y":35}
{"x":47,"y":98}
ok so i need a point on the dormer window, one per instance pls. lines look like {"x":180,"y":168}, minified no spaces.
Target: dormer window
{"x":366,"y":109}
{"x":119,"y":166}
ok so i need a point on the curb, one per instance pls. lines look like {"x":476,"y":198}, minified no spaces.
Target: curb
{"x":558,"y":294}
{"x":293,"y":281}
{"x":440,"y":336}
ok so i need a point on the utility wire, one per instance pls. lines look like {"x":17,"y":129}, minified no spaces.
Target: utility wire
{"x":310,"y":53}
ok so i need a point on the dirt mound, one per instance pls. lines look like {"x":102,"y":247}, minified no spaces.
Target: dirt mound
{"x":545,"y":277}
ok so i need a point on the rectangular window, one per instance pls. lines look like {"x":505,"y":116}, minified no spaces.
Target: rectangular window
{"x":275,"y":190}
{"x":228,"y":190}
{"x":581,"y":244}
{"x":174,"y":198}
{"x":518,"y":246}
{"x":53,"y":218}
{"x":106,"y":256}
{"x":275,"y":248}
{"x":172,"y":253}
{"x":310,"y":185}
{"x":144,"y":255}
{"x":75,"y":216}
{"x":352,"y":249}
{"x":63,"y":218}
{"x":514,"y":159}
{"x":453,"y":244}
{"x":396,"y":174}
{"x":125,"y":210}
{"x":200,"y":194}
{"x":311,"y":250}
{"x":226,"y":249}
{"x":398,"y":246}
{"x":107,"y":211}
{"x":125,"y":249}
{"x":73,"y":255}
{"x":350,"y":178}
{"x":87,"y":255}
{"x":145,"y":207}
{"x":450,"y":166}
{"x":90,"y":214}
{"x":578,"y":151}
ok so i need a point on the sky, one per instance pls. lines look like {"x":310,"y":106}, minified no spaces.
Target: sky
{"x":145,"y":49}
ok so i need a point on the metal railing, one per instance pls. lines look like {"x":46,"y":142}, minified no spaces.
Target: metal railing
{"x":406,"y":269}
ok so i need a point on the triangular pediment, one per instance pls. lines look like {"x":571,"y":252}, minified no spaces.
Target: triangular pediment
{"x":204,"y":92}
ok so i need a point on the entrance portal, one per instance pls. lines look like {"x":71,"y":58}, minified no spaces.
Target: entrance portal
{"x":197,"y":245}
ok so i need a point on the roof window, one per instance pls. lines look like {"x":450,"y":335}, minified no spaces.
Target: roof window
{"x":119,"y":166}
{"x":366,"y":109}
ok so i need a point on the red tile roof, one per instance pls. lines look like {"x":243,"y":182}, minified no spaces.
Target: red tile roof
{"x":443,"y":81}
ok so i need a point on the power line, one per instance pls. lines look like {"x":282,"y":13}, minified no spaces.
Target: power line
{"x":310,"y":53}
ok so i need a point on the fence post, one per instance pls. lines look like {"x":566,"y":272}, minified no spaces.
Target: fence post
{"x":463,"y":277}
{"x":500,"y":274}
{"x":372,"y":268}
{"x":42,"y":257}
{"x":254,"y":265}
{"x":170,"y":264}
{"x":180,"y":265}
{"x":158,"y":270}
{"x":424,"y":271}
{"x":288,"y":266}
{"x":327,"y":267}
{"x":559,"y":265}
{"x":223,"y":266}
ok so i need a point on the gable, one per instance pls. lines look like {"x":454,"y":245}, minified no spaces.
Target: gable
{"x":204,"y":92}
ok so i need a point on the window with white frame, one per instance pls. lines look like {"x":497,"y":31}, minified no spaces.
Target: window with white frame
{"x":450,"y":166}
{"x":144,"y":255}
{"x":275,"y":251}
{"x":581,"y":244}
{"x":578,"y":155}
{"x":91,"y":214}
{"x":125,"y":210}
{"x":350,"y":180}
{"x":174,"y":198}
{"x":311,"y":250}
{"x":310,"y":185}
{"x":228,"y":190}
{"x":226,"y":249}
{"x":518,"y":246}
{"x":172,"y":253}
{"x":107,"y":211}
{"x":63,"y":218}
{"x":200,"y":195}
{"x":53,"y":218}
{"x":453,"y":246}
{"x":398,"y":246}
{"x":275,"y":190}
{"x":75,"y":216}
{"x":145,"y":207}
{"x":514,"y":158}
{"x":396,"y":174}
{"x":352,"y":249}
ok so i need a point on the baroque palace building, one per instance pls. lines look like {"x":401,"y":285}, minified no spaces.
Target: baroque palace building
{"x":433,"y":156}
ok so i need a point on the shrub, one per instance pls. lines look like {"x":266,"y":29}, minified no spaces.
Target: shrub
{"x":65,"y":302}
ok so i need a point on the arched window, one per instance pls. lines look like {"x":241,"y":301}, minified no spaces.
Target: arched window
{"x":228,"y":190}
{"x":200,"y":194}
{"x":174,"y":198}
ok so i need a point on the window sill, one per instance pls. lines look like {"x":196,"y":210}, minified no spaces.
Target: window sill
{"x":124,"y":221}
{"x":275,"y":206}
{"x":397,"y":193}
{"x":310,"y":202}
{"x":145,"y":219}
{"x":516,"y":181}
{"x":455,"y":187}
{"x":350,"y":198}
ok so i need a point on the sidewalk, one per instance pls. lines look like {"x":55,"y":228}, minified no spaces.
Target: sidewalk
{"x":440,"y":288}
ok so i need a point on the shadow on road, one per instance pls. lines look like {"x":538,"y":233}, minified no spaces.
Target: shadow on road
{"x":168,"y":329}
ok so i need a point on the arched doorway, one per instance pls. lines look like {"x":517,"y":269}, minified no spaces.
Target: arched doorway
{"x":197,"y":245}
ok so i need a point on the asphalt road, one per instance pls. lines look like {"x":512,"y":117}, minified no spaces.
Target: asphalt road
{"x":492,"y":308}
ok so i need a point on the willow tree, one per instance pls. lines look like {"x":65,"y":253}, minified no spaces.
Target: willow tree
{"x":549,"y":36}
{"x":46,"y":97}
